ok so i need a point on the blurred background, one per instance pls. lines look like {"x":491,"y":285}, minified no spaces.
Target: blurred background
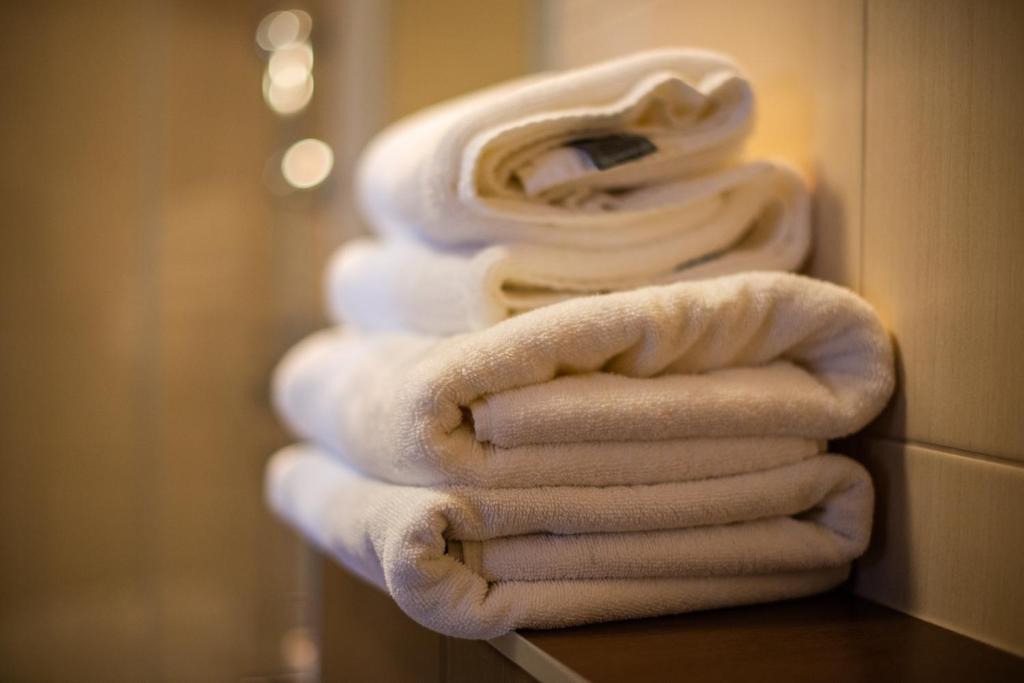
{"x":176,"y":172}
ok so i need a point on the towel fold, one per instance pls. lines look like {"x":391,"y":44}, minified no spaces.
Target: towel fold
{"x":696,"y":379}
{"x":476,"y":563}
{"x":754,"y":217}
{"x":585,"y":158}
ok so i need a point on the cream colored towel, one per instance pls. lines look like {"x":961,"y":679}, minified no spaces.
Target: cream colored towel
{"x":684,"y":381}
{"x":753,"y":217}
{"x":476,"y":563}
{"x":585,"y":158}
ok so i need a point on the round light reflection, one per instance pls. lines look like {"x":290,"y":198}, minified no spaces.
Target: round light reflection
{"x":287,"y":100}
{"x":307,"y":163}
{"x":289,"y":66}
{"x":282,"y":29}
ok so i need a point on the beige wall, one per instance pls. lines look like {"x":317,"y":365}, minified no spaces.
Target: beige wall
{"x":907,"y":118}
{"x":142,"y":307}
{"x":148,"y":283}
{"x":444,"y":48}
{"x":941,"y":249}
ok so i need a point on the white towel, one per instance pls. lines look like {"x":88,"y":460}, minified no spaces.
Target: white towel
{"x":754,"y":217}
{"x":689,"y":380}
{"x":476,"y":563}
{"x":583,"y":158}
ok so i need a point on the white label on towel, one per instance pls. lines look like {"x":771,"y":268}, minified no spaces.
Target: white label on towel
{"x":562,"y":165}
{"x":553,"y":168}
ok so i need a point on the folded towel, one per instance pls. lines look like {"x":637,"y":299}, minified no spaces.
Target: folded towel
{"x":576,"y":159}
{"x":476,"y":563}
{"x":690,"y":380}
{"x":754,"y":217}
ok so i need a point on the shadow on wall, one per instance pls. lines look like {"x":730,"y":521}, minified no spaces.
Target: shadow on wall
{"x":835,"y":252}
{"x":891,"y":537}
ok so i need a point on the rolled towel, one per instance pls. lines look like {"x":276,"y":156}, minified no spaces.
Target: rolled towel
{"x":476,"y":563}
{"x":585,"y":158}
{"x":690,"y":380}
{"x":754,"y":217}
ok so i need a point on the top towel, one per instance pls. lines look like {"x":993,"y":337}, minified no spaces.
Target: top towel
{"x":584,"y":158}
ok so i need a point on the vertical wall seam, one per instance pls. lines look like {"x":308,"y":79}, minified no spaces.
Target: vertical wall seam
{"x":538,"y":36}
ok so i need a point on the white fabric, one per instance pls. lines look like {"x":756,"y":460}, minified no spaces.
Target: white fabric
{"x":753,"y":217}
{"x":454,"y":174}
{"x":476,"y":563}
{"x":689,"y":380}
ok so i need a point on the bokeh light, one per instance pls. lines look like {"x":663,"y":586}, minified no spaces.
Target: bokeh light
{"x":307,"y":163}
{"x":287,"y":100}
{"x":290,"y":66}
{"x":283,"y":29}
{"x":288,"y":78}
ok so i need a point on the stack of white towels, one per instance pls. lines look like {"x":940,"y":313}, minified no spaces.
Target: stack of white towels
{"x":497,"y":446}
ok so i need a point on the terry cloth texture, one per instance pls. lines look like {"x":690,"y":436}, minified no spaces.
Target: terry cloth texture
{"x":601,"y":179}
{"x":455,"y":174}
{"x":754,"y":217}
{"x":476,"y":563}
{"x":702,"y":378}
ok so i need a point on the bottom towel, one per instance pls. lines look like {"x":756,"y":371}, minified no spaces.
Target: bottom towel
{"x":476,"y":563}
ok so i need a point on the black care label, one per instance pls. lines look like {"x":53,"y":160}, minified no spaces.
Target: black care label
{"x":611,"y":150}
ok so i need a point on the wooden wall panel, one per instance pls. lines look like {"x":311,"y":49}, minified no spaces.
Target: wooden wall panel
{"x":943,"y":245}
{"x":941,"y":263}
{"x":947,"y":543}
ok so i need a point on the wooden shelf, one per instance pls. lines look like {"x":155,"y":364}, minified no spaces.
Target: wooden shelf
{"x":835,"y":637}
